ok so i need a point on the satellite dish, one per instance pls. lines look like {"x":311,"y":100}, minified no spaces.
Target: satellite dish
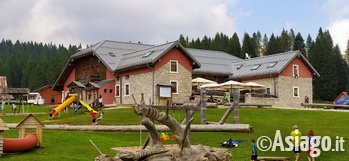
{"x":247,"y":56}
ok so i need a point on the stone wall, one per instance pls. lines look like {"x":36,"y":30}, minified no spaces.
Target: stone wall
{"x":260,"y":100}
{"x":282,"y":87}
{"x":285,"y":86}
{"x":183,"y":77}
{"x":143,"y":83}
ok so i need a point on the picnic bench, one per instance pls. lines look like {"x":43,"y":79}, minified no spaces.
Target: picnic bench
{"x":264,"y":158}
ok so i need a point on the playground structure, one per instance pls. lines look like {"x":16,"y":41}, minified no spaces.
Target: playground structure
{"x":70,"y":100}
{"x":156,"y":150}
{"x":26,"y":141}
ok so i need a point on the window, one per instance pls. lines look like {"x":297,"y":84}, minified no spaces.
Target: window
{"x":174,"y":86}
{"x":272,"y":64}
{"x":268,"y":90}
{"x":105,"y":90}
{"x":147,"y":54}
{"x":295,"y":70}
{"x":127,"y":89}
{"x":255,"y":67}
{"x":117,"y":91}
{"x":110,"y":90}
{"x":295,"y":92}
{"x":238,"y":66}
{"x":174,"y":66}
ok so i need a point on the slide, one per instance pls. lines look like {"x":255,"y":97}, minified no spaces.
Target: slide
{"x":19,"y":144}
{"x":89,"y":108}
{"x":66,"y":103}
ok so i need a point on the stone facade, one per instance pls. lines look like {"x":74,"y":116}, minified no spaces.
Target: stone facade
{"x":143,"y":83}
{"x":282,"y":88}
{"x":285,"y":87}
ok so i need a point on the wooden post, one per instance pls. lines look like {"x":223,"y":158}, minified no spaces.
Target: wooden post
{"x":236,"y":99}
{"x":202,"y":106}
{"x":1,"y":141}
{"x":233,"y":106}
{"x":21,"y":132}
{"x":188,"y":116}
{"x":39,"y":135}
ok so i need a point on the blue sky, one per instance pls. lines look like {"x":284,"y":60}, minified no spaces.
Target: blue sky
{"x":159,"y":21}
{"x":271,"y":16}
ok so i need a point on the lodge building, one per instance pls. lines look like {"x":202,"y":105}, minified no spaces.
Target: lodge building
{"x":117,"y":70}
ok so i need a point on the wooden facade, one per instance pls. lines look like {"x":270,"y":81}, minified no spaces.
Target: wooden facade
{"x":30,"y":122}
{"x":89,"y":69}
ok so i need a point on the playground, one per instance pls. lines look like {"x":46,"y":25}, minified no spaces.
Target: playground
{"x":75,"y":145}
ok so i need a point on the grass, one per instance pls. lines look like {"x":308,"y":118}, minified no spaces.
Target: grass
{"x":75,"y":145}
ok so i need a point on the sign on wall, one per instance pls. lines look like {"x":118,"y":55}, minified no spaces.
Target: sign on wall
{"x":165,"y":91}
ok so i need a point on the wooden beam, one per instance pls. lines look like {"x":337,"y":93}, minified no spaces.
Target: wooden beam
{"x":137,"y":128}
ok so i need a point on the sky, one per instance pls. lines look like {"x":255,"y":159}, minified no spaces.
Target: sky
{"x":158,"y":21}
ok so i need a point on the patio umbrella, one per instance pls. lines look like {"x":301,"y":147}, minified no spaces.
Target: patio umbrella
{"x":232,"y":84}
{"x":199,"y":81}
{"x":251,"y":85}
{"x":212,"y":86}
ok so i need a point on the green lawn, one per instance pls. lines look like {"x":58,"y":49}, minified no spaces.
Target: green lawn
{"x":75,"y":145}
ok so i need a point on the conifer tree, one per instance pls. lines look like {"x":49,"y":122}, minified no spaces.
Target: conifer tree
{"x":247,"y":47}
{"x":235,"y":47}
{"x":299,"y":43}
{"x":271,"y":46}
{"x":342,"y":71}
{"x":323,"y":60}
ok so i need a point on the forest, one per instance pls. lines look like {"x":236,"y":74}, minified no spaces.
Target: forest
{"x":31,"y":64}
{"x":325,"y":56}
{"x":34,"y":64}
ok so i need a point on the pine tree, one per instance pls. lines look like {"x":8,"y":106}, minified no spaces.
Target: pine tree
{"x":283,"y":43}
{"x":299,"y":43}
{"x":264,"y":45}
{"x":235,"y":47}
{"x":322,"y":58}
{"x":183,"y":41}
{"x":247,"y":47}
{"x":292,"y":39}
{"x":256,"y":42}
{"x":206,"y":43}
{"x":271,"y":46}
{"x":342,"y":69}
{"x":309,"y":46}
{"x":347,"y":52}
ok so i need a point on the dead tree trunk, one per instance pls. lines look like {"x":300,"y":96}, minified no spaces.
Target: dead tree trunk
{"x":203,"y":105}
{"x":236,"y":98}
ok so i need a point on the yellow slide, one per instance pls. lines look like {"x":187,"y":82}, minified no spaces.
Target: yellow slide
{"x":89,"y":108}
{"x":65,"y":104}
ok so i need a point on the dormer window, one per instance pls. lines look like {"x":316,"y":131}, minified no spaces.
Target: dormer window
{"x":272,"y":64}
{"x":255,"y":67}
{"x":238,"y":66}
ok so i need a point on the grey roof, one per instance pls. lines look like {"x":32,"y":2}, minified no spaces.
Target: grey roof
{"x":148,"y":55}
{"x":118,"y":56}
{"x":110,"y":52}
{"x":267,"y":65}
{"x":213,"y":62}
{"x":93,"y":84}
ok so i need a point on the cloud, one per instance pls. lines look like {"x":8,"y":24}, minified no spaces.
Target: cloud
{"x":339,"y":30}
{"x":90,"y":21}
{"x":338,"y":14}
